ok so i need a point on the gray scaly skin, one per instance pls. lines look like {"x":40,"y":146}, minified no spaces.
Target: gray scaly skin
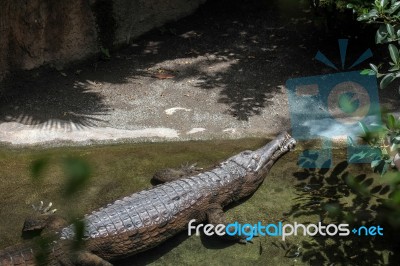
{"x":147,"y":218}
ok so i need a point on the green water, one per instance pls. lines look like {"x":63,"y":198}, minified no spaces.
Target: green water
{"x":120,"y":170}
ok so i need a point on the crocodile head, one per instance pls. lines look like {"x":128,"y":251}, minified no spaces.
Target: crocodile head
{"x":259,"y":162}
{"x":266,"y":156}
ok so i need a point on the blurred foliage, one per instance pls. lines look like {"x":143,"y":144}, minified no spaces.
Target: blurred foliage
{"x":77,"y":174}
{"x":337,"y":196}
{"x":37,"y":169}
{"x":42,"y":247}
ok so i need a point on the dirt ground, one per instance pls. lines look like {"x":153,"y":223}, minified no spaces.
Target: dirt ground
{"x":219,"y":73}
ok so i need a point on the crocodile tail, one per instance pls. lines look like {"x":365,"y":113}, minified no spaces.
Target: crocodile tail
{"x":17,"y":255}
{"x":41,"y":251}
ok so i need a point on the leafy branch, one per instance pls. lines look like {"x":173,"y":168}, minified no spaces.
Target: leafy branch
{"x":387,"y":14}
{"x":386,"y":138}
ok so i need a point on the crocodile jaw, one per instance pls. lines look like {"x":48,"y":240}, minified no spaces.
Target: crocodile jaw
{"x":268,"y":154}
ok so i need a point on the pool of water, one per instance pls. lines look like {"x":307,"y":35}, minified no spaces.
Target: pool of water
{"x":289,"y":194}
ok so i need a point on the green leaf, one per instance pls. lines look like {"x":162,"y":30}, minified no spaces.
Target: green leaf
{"x":394,"y":7}
{"x":395,"y":198}
{"x":390,"y":30}
{"x":381,"y":167}
{"x":381,"y":34}
{"x":351,"y":141}
{"x":391,"y":178}
{"x":364,"y":128}
{"x":394,"y":53}
{"x":396,"y":140}
{"x":361,"y":156}
{"x":394,"y":147}
{"x":79,"y":236}
{"x":391,"y":121}
{"x":347,"y":103}
{"x":77,"y":174}
{"x":356,"y":186}
{"x":368,"y":71}
{"x":374,"y":68}
{"x":333,"y":209}
{"x":42,"y":246}
{"x":38,"y":167}
{"x":371,"y":15}
{"x":380,"y":37}
{"x":375,"y":163}
{"x":387,"y":80}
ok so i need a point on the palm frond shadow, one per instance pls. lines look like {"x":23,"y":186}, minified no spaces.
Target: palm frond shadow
{"x":64,"y":103}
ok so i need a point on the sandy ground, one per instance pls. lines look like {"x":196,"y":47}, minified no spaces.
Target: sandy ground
{"x":208,"y":76}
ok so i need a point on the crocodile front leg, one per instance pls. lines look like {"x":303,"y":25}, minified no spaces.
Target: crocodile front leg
{"x":215,"y":216}
{"x":43,"y":221}
{"x":171,"y":174}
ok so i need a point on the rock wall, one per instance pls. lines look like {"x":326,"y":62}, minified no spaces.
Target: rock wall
{"x":39,"y":32}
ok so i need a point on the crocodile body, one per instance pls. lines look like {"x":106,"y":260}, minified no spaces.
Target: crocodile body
{"x":148,"y":218}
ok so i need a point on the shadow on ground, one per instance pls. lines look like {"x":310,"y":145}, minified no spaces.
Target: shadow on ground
{"x":50,"y":101}
{"x":336,"y":197}
{"x":245,"y":51}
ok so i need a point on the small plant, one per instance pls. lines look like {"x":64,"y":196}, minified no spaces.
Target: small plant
{"x":105,"y":53}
